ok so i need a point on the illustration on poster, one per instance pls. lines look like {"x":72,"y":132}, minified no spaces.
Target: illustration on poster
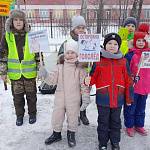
{"x":88,"y":45}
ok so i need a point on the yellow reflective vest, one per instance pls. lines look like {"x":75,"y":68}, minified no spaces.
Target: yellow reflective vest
{"x":27,"y":67}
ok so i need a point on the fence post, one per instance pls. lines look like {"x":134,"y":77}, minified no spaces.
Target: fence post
{"x":51,"y":24}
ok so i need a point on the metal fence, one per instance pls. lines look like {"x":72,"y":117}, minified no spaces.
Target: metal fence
{"x":60,"y":28}
{"x":2,"y":25}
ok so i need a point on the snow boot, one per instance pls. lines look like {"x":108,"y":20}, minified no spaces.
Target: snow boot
{"x":130,"y":132}
{"x":19,"y":121}
{"x":84,"y":118}
{"x":55,"y":137}
{"x":141,"y":131}
{"x":32,"y":119}
{"x":115,"y":146}
{"x":71,"y":138}
{"x":102,"y":147}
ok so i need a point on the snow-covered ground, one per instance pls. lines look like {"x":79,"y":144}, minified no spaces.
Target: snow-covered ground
{"x":31,"y":137}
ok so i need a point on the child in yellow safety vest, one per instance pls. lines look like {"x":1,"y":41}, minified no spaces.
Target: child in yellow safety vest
{"x":20,"y":65}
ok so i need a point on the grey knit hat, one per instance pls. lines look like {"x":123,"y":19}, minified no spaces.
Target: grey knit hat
{"x":77,"y":21}
{"x":130,"y":20}
{"x":16,"y":13}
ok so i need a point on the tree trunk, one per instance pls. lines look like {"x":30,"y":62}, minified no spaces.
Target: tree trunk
{"x":84,"y":9}
{"x":136,"y":9}
{"x":2,"y":30}
{"x":123,"y":6}
{"x":100,"y":15}
{"x":0,"y":27}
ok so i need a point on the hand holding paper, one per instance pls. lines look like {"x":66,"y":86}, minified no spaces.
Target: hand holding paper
{"x":87,"y":80}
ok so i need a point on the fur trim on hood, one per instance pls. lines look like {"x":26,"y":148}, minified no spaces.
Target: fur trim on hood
{"x":16,"y":14}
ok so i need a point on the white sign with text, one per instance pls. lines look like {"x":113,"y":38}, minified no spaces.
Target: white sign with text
{"x":89,"y":47}
{"x":38,"y":41}
{"x":145,"y":60}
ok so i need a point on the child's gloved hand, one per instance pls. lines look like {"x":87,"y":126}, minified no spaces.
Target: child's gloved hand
{"x":42,"y":74}
{"x":136,"y":79}
{"x":87,"y":80}
{"x":128,"y":104}
{"x":4,"y":78}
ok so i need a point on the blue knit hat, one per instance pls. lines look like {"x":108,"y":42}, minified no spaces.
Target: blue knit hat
{"x":130,"y":20}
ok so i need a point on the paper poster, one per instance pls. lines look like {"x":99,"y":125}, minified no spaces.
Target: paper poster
{"x":4,"y":8}
{"x":145,"y":60}
{"x":89,"y":47}
{"x":38,"y":41}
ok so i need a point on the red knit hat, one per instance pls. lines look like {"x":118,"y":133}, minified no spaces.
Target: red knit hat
{"x":144,"y":27}
{"x":139,"y":35}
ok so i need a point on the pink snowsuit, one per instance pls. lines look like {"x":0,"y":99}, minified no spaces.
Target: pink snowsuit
{"x":143,"y":85}
{"x":69,"y":78}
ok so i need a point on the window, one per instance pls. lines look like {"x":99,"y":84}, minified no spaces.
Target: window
{"x":147,"y":13}
{"x":124,"y":14}
{"x":95,"y":14}
{"x":71,"y":13}
{"x":108,"y":14}
{"x":31,"y":14}
{"x":58,"y":14}
{"x":44,"y":14}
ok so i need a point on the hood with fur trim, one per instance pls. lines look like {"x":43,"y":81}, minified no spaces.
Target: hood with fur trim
{"x":16,"y":14}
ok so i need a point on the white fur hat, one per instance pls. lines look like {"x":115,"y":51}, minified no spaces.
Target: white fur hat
{"x":71,"y":45}
{"x":77,"y":21}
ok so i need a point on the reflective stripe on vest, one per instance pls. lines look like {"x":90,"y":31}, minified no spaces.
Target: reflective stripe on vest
{"x":27,"y":67}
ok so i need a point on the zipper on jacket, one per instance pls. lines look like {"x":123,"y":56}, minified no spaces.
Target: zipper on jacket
{"x":112,"y":67}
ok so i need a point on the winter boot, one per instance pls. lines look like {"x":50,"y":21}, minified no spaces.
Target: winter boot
{"x":84,"y":118}
{"x":19,"y":121}
{"x":71,"y":138}
{"x":141,"y":131}
{"x":130,"y":132}
{"x":102,"y":147}
{"x":115,"y":146}
{"x":79,"y":122}
{"x":32,"y":119}
{"x":55,"y":137}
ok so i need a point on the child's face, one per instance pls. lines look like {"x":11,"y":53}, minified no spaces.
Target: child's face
{"x":130,"y":27}
{"x":18,"y":23}
{"x":80,"y":30}
{"x":112,"y":46}
{"x":140,"y":43}
{"x":70,"y":55}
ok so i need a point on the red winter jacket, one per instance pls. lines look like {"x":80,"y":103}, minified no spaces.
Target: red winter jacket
{"x":113,"y":82}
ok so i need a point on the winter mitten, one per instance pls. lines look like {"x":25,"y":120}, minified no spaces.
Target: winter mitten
{"x":85,"y":102}
{"x":42,"y":74}
{"x":128,"y":104}
{"x":4,"y":78}
{"x":136,"y":79}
